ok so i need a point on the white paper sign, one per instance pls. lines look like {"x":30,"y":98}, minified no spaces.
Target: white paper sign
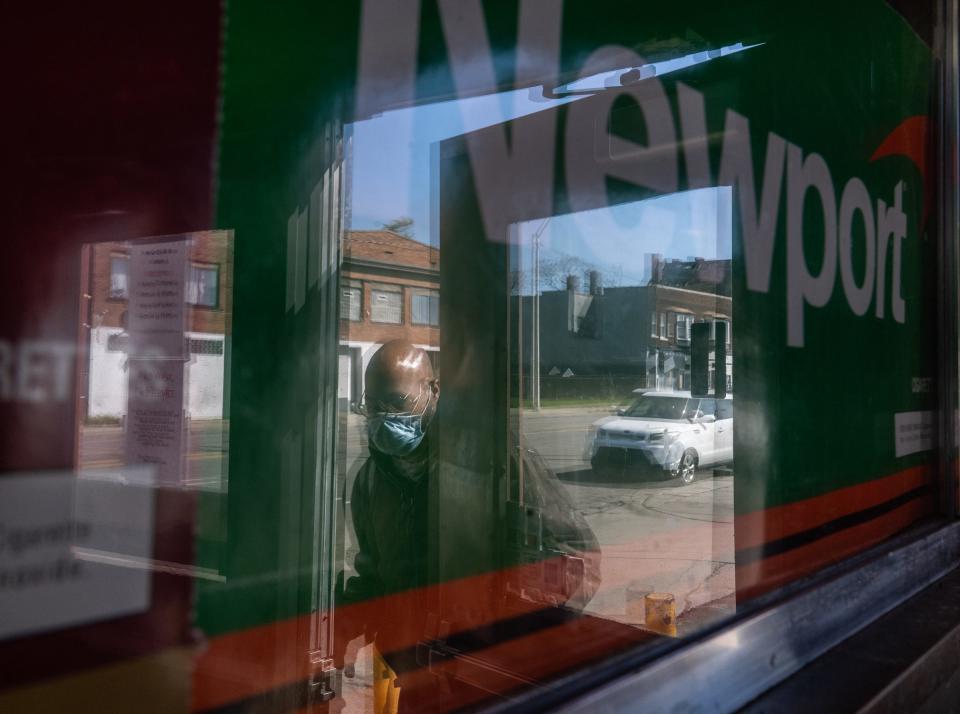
{"x":914,"y":432}
{"x":45,"y":521}
{"x":157,"y":311}
{"x":156,"y":424}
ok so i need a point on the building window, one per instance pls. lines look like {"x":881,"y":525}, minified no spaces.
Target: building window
{"x":683,"y":327}
{"x":206,"y":347}
{"x":663,"y":325}
{"x":671,"y":318}
{"x":425,"y":308}
{"x":386,"y":305}
{"x":351,"y":302}
{"x":203,"y":285}
{"x":713,"y":329}
{"x":653,"y":324}
{"x":118,"y":276}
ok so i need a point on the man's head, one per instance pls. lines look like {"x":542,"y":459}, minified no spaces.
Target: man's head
{"x":400,"y":397}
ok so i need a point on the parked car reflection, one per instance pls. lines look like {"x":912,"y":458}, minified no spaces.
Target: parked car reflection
{"x":665,"y":434}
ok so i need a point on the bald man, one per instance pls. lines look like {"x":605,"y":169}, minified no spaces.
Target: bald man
{"x":389,"y":505}
{"x":389,"y":499}
{"x":400,"y":400}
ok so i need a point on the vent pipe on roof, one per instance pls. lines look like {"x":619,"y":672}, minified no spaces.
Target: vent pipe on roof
{"x":596,"y":286}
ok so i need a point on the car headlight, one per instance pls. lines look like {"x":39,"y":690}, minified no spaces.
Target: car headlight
{"x":665,"y":437}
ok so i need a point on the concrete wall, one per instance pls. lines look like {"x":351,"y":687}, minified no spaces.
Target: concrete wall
{"x":108,"y":378}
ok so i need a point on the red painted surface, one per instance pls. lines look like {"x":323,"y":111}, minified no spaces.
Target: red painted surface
{"x":108,"y":133}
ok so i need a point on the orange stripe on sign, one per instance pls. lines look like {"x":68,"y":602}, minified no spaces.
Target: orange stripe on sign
{"x":243,"y":664}
{"x":762,"y":576}
{"x":531,"y":659}
{"x":760,"y":527}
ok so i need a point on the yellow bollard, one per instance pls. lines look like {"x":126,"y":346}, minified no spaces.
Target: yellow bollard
{"x":386,"y":690}
{"x":660,"y":611}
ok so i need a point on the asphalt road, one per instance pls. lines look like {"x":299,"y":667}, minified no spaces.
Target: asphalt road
{"x":655,"y":536}
{"x":101,"y":447}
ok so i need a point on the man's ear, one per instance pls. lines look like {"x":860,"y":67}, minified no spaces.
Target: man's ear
{"x":435,"y":388}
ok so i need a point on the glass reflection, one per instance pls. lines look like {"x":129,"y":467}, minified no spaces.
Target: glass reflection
{"x":608,"y":355}
{"x":155,"y":339}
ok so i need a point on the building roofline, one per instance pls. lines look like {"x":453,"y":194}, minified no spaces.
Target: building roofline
{"x":395,"y":270}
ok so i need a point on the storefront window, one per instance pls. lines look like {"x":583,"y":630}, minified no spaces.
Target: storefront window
{"x":380,"y":355}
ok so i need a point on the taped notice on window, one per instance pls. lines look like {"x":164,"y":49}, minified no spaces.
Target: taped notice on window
{"x":49,"y":524}
{"x":913,"y":432}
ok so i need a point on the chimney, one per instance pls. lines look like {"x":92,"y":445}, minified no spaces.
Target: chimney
{"x":656,"y":267}
{"x":596,"y":287}
{"x":573,"y":283}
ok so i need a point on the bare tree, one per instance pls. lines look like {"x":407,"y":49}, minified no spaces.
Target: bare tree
{"x":401,"y":226}
{"x":554,"y":272}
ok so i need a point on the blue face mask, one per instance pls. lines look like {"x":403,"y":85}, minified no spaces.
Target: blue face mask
{"x":395,"y":434}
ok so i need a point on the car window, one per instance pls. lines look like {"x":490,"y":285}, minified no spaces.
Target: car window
{"x":658,"y":408}
{"x":708,"y":406}
{"x":725,"y":409}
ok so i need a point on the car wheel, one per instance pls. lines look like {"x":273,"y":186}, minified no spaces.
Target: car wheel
{"x":687,"y":468}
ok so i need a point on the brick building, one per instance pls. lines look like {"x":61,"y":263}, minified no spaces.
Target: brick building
{"x":208,"y":292}
{"x":389,"y":289}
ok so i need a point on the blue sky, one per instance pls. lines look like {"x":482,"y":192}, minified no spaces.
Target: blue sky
{"x":617,"y":239}
{"x":391,"y":178}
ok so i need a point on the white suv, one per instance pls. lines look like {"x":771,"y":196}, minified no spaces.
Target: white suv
{"x":670,"y":434}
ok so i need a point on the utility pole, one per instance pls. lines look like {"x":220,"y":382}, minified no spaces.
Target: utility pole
{"x":535,"y":357}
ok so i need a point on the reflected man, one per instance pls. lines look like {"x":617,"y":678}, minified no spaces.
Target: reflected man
{"x":389,"y":508}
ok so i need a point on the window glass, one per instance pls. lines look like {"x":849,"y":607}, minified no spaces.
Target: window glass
{"x":556,"y":411}
{"x":203,"y":285}
{"x":425,"y":308}
{"x":386,"y":305}
{"x":118,"y":276}
{"x":351,"y":303}
{"x":428,"y":439}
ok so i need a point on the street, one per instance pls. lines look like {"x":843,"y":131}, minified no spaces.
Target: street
{"x":655,"y":536}
{"x":101,"y":447}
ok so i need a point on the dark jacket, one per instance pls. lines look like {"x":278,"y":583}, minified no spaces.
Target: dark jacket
{"x":389,"y":511}
{"x":390,"y":518}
